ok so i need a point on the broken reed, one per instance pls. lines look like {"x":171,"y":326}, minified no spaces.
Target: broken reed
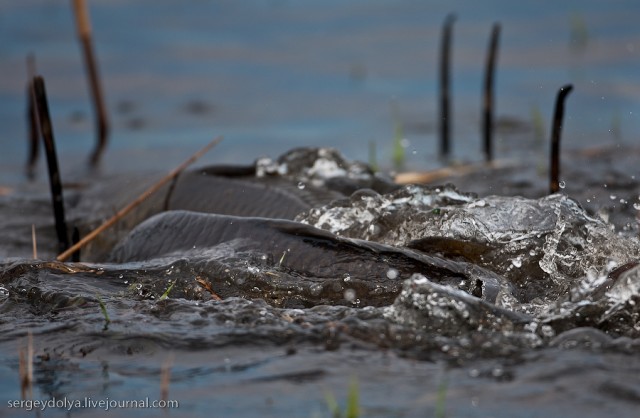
{"x":46,"y":129}
{"x":488,"y":93}
{"x":556,"y":131}
{"x":122,"y":212}
{"x":445,"y":103}
{"x":84,"y":34}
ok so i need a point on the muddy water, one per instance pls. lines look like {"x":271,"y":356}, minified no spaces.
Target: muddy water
{"x":515,"y":306}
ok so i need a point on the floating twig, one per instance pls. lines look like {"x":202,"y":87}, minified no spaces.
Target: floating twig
{"x":46,"y":130}
{"x":487,"y":125}
{"x":445,"y":106}
{"x":84,"y":34}
{"x":32,"y":118}
{"x":556,"y":131}
{"x":122,"y":212}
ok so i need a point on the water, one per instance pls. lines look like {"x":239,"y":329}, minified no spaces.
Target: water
{"x":513,"y":301}
{"x":271,"y":75}
{"x":474,"y":289}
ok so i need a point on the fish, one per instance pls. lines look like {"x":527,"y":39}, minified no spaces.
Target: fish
{"x":296,"y":254}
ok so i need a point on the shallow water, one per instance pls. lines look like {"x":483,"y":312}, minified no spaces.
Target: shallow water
{"x":419,"y":284}
{"x":517,"y":306}
{"x":272,"y":75}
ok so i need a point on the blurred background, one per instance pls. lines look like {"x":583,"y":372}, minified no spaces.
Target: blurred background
{"x":358,"y":75}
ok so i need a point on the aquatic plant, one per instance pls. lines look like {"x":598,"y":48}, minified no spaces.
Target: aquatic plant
{"x":103,"y":309}
{"x":537,"y":122}
{"x":441,"y":399}
{"x":578,"y":33}
{"x":445,"y":107}
{"x":398,"y":156}
{"x":166,"y":292}
{"x":352,"y":408}
{"x":558,"y":116}
{"x":46,"y":128}
{"x":487,"y":102}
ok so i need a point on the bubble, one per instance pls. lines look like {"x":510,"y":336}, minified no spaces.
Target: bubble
{"x":562,"y":184}
{"x":301,"y":185}
{"x":636,"y":206}
{"x":392,"y":274}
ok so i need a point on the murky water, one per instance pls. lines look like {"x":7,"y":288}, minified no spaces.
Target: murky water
{"x":487,"y":298}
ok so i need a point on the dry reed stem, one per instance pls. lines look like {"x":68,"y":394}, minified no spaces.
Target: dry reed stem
{"x":207,"y":286}
{"x":25,"y":368}
{"x":122,"y":212}
{"x":451,"y":171}
{"x":34,"y":243}
{"x":165,"y":377}
{"x":84,"y":34}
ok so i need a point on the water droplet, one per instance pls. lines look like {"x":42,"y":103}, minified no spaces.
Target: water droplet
{"x":315,"y":289}
{"x":562,"y":184}
{"x":301,"y":185}
{"x":349,"y":295}
{"x":392,"y":274}
{"x":517,"y":262}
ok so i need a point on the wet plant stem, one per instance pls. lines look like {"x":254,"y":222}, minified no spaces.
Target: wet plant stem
{"x":52,"y":162}
{"x":84,"y":34}
{"x":152,"y":189}
{"x":556,"y":131}
{"x":32,"y":118}
{"x":445,"y":103}
{"x":488,"y":100}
